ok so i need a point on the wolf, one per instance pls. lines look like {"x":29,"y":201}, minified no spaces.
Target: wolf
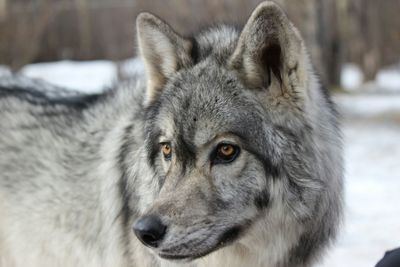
{"x":227,"y":152}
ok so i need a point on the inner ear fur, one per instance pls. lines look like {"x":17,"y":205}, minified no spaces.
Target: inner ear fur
{"x":163,"y":51}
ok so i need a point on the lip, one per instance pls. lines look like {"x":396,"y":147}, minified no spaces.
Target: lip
{"x":225,"y":239}
{"x":185,"y":257}
{"x":175,"y":257}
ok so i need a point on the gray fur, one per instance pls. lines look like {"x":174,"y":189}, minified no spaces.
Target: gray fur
{"x":78,"y":172}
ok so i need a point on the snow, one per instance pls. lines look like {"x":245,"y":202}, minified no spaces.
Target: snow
{"x":386,"y":80}
{"x":367,"y":105}
{"x":389,"y":79}
{"x":131,"y":67}
{"x":89,"y":76}
{"x":371,"y":127}
{"x":86,"y":76}
{"x":351,"y":77}
{"x":4,"y":71}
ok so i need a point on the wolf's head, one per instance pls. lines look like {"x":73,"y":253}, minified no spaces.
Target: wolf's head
{"x":227,"y":134}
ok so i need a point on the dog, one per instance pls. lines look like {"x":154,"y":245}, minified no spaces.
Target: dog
{"x":227,"y":152}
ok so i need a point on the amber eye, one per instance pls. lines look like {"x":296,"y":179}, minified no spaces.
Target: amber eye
{"x":226,"y":150}
{"x":225,"y":153}
{"x":166,"y":150}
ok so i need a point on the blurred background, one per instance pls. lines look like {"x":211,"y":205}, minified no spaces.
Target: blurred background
{"x":362,"y":32}
{"x":88,"y":45}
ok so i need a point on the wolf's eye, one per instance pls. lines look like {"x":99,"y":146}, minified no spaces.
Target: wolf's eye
{"x":166,"y":150}
{"x":225,"y":153}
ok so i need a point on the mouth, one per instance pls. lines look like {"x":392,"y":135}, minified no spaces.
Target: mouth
{"x":177,"y":257}
{"x":225,"y":239}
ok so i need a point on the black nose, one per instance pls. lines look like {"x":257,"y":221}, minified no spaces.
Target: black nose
{"x":150,"y":230}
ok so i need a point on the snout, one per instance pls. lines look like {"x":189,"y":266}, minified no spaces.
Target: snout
{"x":150,"y":230}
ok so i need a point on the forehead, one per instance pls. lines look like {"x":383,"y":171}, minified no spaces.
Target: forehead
{"x":207,"y":101}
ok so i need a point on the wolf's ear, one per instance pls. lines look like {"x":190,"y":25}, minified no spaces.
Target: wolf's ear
{"x":269,"y":49}
{"x":163,"y":51}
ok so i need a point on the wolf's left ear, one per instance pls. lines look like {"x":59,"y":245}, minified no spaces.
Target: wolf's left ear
{"x":269,"y":49}
{"x":163,"y":51}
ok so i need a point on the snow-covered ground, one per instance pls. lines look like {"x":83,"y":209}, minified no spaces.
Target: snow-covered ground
{"x":84,"y":76}
{"x":371,"y":126}
{"x":386,"y":80}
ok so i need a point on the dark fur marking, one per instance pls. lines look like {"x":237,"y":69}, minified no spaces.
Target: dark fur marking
{"x":36,"y":97}
{"x":122,"y":156}
{"x":152,"y":133}
{"x":269,"y":168}
{"x":126,"y":195}
{"x":185,"y":152}
{"x":152,"y":146}
{"x":229,"y":235}
{"x":194,"y":52}
{"x":262,"y":200}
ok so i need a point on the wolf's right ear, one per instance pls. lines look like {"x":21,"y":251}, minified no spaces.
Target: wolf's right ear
{"x":163,"y":51}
